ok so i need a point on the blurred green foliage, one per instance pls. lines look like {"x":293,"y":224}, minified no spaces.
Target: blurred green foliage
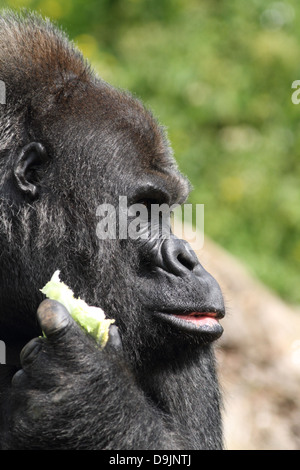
{"x":218,"y":74}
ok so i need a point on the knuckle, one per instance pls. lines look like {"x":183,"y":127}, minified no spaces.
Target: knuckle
{"x":19,"y":379}
{"x":30,"y":352}
{"x":53,"y":317}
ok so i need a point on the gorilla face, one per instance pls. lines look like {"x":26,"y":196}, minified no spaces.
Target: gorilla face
{"x":150,"y":286}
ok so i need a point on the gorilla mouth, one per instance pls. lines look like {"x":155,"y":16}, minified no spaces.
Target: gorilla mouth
{"x":199,"y":319}
{"x":202,"y":323}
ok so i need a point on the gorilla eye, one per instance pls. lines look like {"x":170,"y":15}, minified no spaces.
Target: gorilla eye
{"x":148,"y":202}
{"x":150,"y":194}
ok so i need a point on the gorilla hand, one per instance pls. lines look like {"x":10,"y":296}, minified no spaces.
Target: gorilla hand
{"x":58,"y":373}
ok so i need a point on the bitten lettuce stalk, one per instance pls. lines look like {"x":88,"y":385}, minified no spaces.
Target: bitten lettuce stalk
{"x":92,"y":319}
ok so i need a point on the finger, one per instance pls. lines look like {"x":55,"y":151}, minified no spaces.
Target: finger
{"x":54,"y":318}
{"x":114,"y":338}
{"x":60,"y":328}
{"x":19,"y":379}
{"x":30,"y":351}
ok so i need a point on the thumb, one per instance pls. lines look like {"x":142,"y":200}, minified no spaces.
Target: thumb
{"x":54,"y":318}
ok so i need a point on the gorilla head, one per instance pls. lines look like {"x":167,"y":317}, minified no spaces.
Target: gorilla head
{"x":70,"y":142}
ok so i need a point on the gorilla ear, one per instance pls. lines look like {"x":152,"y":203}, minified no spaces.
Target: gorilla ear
{"x":28,"y":160}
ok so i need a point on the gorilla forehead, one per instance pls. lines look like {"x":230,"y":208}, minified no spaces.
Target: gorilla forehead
{"x":120,"y":139}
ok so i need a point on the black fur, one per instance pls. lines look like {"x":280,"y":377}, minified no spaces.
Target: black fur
{"x":69,"y":142}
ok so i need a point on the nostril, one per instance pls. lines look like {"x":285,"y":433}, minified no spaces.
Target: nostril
{"x":178,"y":258}
{"x":186,"y":261}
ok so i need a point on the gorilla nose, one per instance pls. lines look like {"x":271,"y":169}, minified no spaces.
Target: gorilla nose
{"x":177,"y":257}
{"x":194,"y":286}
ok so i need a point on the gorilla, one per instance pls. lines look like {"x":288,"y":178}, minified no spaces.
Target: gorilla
{"x":70,"y":142}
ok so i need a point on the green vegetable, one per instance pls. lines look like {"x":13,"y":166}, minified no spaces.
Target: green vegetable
{"x":92,"y":319}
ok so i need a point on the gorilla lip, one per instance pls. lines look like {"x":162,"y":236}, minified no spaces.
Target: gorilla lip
{"x":196,"y":322}
{"x":199,"y":318}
